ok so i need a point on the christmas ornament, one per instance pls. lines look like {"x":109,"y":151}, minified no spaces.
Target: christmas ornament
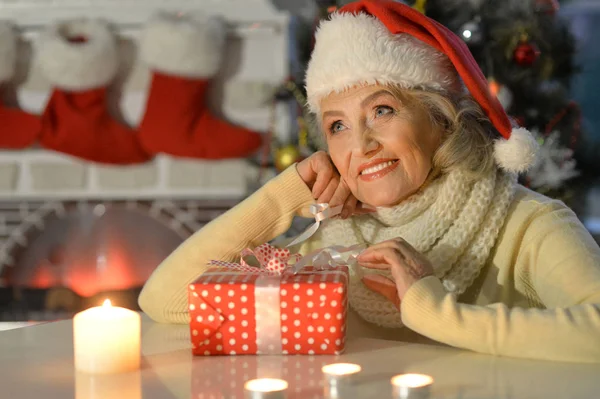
{"x":502,"y":92}
{"x":18,"y":129}
{"x":80,"y":58}
{"x":471,"y":32}
{"x":549,"y":7}
{"x":526,"y":53}
{"x":420,"y":6}
{"x":184,"y":53}
{"x":287,"y":156}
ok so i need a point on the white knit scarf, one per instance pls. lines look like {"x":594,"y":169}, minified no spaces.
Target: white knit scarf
{"x":454,"y":222}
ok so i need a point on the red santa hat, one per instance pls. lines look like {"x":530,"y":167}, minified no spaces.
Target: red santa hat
{"x":387,"y":42}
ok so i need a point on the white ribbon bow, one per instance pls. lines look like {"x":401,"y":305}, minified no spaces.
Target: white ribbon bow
{"x":321,"y":212}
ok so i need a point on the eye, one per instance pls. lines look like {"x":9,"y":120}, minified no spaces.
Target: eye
{"x":382,"y":110}
{"x":335,"y":127}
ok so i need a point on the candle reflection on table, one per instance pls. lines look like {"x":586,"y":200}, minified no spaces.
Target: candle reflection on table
{"x":411,"y":386}
{"x":266,"y":388}
{"x":338,"y":379}
{"x":108,"y":386}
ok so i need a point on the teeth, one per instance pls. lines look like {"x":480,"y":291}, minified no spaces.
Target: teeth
{"x":376,"y":168}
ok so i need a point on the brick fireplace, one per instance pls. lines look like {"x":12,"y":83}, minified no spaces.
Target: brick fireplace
{"x":60,"y":257}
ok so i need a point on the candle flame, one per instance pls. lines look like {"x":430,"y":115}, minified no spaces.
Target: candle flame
{"x":107,"y":303}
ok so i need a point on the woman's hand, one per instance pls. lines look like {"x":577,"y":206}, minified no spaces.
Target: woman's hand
{"x":405,"y":263}
{"x":321,"y":177}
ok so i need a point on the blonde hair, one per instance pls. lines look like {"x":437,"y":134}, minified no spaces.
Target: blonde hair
{"x":467,"y":134}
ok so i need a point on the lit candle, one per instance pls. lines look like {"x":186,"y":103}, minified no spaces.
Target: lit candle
{"x":411,"y":386}
{"x":338,"y":378}
{"x":266,"y":388}
{"x":106,"y":340}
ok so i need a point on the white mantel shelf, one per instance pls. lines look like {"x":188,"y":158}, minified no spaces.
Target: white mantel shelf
{"x":39,"y":174}
{"x":37,"y":362}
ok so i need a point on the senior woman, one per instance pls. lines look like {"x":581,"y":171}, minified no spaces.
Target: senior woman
{"x":424,"y":159}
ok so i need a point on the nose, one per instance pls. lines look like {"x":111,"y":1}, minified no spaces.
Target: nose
{"x":368,"y":143}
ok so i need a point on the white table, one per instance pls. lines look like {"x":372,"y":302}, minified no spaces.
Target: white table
{"x":37,"y":362}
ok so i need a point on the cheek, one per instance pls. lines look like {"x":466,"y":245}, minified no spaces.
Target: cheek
{"x":340,"y":156}
{"x":416,"y":147}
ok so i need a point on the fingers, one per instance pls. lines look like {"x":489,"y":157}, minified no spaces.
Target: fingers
{"x":327,"y":194}
{"x":404,"y":262}
{"x":398,"y":244}
{"x":379,"y":258}
{"x":383,"y":286}
{"x":324,"y":176}
{"x":326,"y":185}
{"x":349,"y":206}
{"x":342,"y":192}
{"x":344,"y":196}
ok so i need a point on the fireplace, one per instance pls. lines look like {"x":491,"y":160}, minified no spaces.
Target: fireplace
{"x":59,"y":257}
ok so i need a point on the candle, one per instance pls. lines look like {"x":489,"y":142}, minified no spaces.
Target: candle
{"x":106,"y":340}
{"x":411,"y":386}
{"x":338,"y":379}
{"x":266,"y":388}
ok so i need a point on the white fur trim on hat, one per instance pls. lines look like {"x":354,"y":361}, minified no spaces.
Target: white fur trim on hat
{"x":78,"y":66}
{"x":354,"y":49}
{"x":8,"y":51}
{"x":518,"y":153}
{"x":188,"y":45}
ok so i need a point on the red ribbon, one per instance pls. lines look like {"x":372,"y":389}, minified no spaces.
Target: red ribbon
{"x":272,"y":260}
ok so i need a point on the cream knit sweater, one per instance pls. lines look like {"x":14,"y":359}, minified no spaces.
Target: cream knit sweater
{"x":537,"y":295}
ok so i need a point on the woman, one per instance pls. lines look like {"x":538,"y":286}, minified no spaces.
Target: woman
{"x":458,"y":252}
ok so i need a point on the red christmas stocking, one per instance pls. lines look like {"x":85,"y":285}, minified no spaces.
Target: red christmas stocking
{"x":18,"y":129}
{"x":184,"y":54}
{"x":80,"y":57}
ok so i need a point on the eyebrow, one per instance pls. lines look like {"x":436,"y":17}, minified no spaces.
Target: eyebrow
{"x":332,"y":113}
{"x":373,"y":96}
{"x":363,"y":103}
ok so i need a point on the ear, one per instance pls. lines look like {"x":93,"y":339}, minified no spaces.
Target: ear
{"x":384,"y":286}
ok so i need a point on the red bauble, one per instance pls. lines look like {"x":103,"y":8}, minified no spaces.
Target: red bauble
{"x":526,"y":54}
{"x":549,"y":7}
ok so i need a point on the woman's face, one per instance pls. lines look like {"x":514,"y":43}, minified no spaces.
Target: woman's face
{"x":381,"y":149}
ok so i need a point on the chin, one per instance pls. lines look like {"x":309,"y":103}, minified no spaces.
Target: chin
{"x":383,"y":199}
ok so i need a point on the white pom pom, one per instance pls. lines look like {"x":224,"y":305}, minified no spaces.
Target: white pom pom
{"x":517,"y":154}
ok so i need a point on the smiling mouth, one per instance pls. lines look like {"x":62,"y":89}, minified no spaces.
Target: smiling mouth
{"x":378,"y":167}
{"x":379,"y":170}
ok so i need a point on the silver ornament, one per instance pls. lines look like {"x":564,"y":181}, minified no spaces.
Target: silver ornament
{"x":471,"y":32}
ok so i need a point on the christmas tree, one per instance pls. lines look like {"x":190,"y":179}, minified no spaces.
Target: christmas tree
{"x":527,"y":53}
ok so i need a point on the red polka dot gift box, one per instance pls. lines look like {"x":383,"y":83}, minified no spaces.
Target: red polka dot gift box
{"x":244,"y":310}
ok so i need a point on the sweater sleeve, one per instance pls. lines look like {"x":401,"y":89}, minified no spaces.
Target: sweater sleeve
{"x":559,"y":262}
{"x":258,"y":219}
